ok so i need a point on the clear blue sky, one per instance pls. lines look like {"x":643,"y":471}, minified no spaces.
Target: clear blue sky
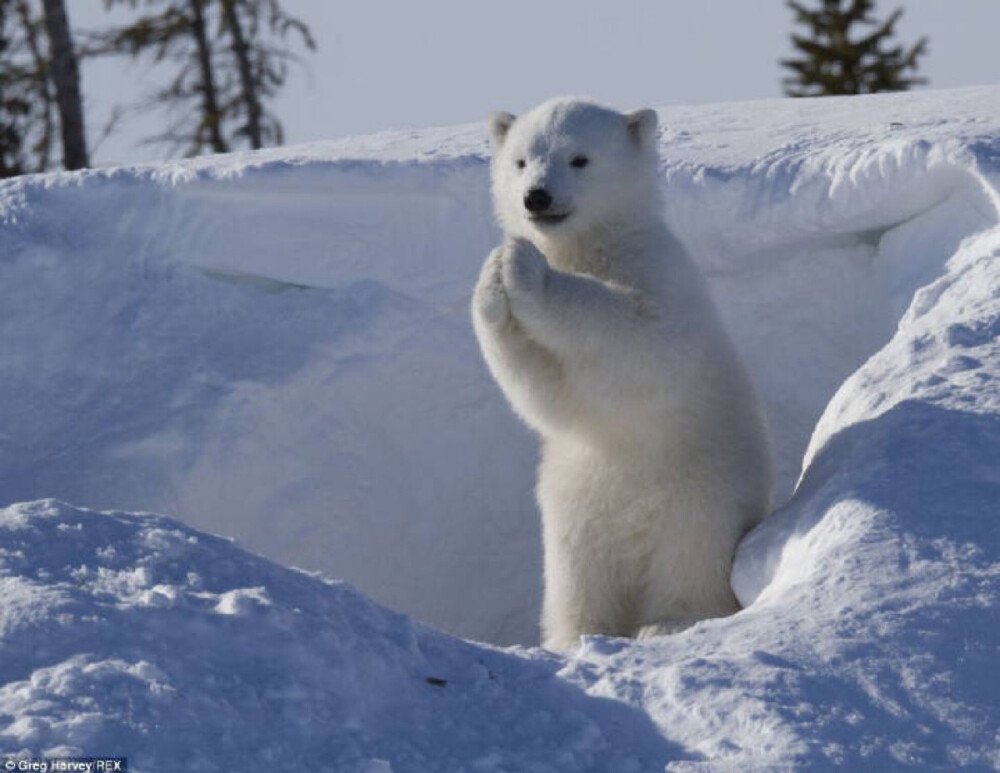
{"x":389,"y":65}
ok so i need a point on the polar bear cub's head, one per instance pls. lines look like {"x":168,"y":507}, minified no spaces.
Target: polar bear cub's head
{"x":570,"y":166}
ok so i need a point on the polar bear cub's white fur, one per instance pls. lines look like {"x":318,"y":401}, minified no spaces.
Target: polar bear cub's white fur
{"x":601,"y":333}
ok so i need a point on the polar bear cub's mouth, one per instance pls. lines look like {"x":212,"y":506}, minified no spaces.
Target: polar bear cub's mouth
{"x":548,"y":218}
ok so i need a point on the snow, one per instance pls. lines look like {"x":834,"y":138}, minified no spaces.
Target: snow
{"x":275,"y":347}
{"x":138,"y":634}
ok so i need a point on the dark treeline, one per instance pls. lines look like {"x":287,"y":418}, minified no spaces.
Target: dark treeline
{"x":225,"y":61}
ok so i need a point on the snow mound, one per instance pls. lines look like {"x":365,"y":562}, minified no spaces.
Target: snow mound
{"x":283,"y":356}
{"x":276,"y":346}
{"x":135,"y":635}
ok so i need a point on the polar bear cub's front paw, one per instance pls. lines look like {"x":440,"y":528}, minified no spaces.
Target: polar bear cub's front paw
{"x":490,"y":297}
{"x":524,"y":271}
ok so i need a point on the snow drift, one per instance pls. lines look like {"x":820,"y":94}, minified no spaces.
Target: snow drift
{"x":182,"y":652}
{"x":275,"y":347}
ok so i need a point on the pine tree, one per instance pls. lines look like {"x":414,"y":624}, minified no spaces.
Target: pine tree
{"x":262,"y":64}
{"x":211,"y":114}
{"x":230,"y":59}
{"x":13,"y":107}
{"x":175,"y":32}
{"x":28,"y":117}
{"x":65,"y":74}
{"x":834,"y":63}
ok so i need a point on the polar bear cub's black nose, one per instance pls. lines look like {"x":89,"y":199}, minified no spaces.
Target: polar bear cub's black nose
{"x":537,"y":200}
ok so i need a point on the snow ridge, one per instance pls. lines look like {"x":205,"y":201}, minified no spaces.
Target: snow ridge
{"x":139,"y":636}
{"x":276,"y":346}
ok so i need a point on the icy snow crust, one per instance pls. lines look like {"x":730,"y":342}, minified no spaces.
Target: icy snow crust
{"x":276,"y":347}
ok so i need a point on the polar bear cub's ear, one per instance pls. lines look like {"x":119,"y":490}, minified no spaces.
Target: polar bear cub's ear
{"x":641,"y":124}
{"x":499,"y":124}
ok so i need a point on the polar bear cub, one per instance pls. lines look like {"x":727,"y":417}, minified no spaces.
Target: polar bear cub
{"x":601,"y":333}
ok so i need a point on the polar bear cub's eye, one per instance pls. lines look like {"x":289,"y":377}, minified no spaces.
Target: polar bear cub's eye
{"x":519,"y":163}
{"x":579,"y":162}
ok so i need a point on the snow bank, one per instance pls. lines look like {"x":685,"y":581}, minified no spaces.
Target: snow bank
{"x":283,"y":355}
{"x":135,"y":635}
{"x":275,"y":346}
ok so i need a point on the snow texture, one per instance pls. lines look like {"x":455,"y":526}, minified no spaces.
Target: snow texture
{"x":179,"y":650}
{"x":275,"y":346}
